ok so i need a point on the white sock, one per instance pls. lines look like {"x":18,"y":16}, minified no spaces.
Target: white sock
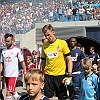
{"x":15,"y":95}
{"x":8,"y":98}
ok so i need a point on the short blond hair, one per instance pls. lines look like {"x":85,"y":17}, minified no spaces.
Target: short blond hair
{"x":86,"y":63}
{"x":35,"y":74}
{"x":47,"y":27}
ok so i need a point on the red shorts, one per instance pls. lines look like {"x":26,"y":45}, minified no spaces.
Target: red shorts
{"x":10,"y":83}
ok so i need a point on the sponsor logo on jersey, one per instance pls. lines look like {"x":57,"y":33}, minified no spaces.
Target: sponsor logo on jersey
{"x":74,"y":58}
{"x":52,"y":54}
{"x":8,"y":59}
{"x":92,"y":59}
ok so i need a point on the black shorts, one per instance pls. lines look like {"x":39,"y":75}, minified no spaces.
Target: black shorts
{"x":53,"y":84}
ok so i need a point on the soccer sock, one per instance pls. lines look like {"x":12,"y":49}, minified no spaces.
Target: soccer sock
{"x":8,"y":98}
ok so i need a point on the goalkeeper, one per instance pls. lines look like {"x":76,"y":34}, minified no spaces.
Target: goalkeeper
{"x":54,"y":55}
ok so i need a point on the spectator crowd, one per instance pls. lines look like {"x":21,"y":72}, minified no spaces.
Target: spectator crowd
{"x":21,"y":16}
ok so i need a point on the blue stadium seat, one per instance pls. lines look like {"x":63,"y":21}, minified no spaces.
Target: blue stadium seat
{"x":63,"y":19}
{"x":55,"y":17}
{"x":77,"y":17}
{"x":71,"y":19}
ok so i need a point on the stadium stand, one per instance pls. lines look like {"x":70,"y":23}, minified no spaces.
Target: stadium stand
{"x":20,"y":16}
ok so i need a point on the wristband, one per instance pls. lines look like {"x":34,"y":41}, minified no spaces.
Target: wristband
{"x":69,"y":74}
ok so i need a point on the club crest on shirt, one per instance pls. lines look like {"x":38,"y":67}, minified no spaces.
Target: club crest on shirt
{"x":90,"y":82}
{"x":11,"y":52}
{"x":52,"y":54}
{"x":58,"y":47}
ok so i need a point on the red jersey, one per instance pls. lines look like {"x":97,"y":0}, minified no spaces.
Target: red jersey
{"x":30,"y":66}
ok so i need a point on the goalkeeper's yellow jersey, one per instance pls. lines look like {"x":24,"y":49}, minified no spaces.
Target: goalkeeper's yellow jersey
{"x":54,"y":54}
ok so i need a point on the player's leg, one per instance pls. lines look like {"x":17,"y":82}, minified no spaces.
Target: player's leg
{"x":1,"y":88}
{"x":11,"y":88}
{"x":49,"y":87}
{"x":76,"y":91}
{"x":61,"y":91}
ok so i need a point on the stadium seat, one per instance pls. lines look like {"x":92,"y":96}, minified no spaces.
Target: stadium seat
{"x":77,"y":17}
{"x":63,"y":19}
{"x":55,"y":17}
{"x":71,"y":19}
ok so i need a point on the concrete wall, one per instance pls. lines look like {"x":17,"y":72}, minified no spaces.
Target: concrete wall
{"x":62,"y":33}
{"x":70,"y":24}
{"x":27,"y":40}
{"x":64,"y":30}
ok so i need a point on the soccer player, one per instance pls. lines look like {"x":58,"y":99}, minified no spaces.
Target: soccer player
{"x":77,"y":55}
{"x":94,"y":56}
{"x":9,"y":63}
{"x":55,"y":52}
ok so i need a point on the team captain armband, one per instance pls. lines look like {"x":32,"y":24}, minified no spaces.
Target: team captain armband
{"x":43,"y":58}
{"x":68,"y":54}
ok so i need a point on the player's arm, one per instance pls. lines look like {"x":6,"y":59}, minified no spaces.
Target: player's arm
{"x":21,"y":60}
{"x":24,"y":70}
{"x":67,"y":55}
{"x":69,"y":63}
{"x":23,"y":66}
{"x":70,"y":67}
{"x":1,"y":68}
{"x":42,"y":65}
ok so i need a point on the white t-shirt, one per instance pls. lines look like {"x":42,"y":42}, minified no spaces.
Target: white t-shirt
{"x":69,"y":12}
{"x":10,"y":57}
